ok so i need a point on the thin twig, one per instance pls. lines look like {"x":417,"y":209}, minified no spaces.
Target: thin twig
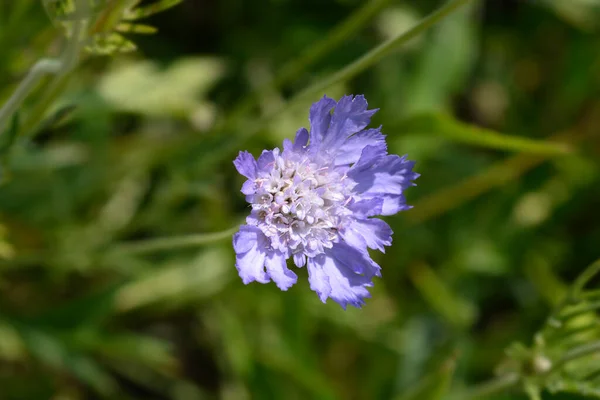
{"x":173,"y":242}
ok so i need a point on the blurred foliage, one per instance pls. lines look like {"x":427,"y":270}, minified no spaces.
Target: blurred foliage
{"x":498,"y":104}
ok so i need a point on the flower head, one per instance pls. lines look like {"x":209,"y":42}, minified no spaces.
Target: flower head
{"x":314,"y":202}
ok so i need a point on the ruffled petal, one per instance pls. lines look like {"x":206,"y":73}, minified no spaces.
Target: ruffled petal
{"x":318,"y":278}
{"x":250,"y":246}
{"x":300,"y":259}
{"x":372,"y":233}
{"x":355,"y":259}
{"x":366,"y":207}
{"x":319,"y":118}
{"x":266,"y":159}
{"x":383,"y":176}
{"x":301,"y":140}
{"x":279,"y":272}
{"x":249,"y":188}
{"x":349,"y":117}
{"x":246,"y":164}
{"x":350,"y":151}
{"x":331,"y":277}
{"x":299,"y":144}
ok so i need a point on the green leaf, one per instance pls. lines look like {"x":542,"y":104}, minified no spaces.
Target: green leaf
{"x":154,"y":8}
{"x":106,"y":20}
{"x":57,"y":118}
{"x":143,"y":87}
{"x":110,"y":43}
{"x":144,"y":351}
{"x":433,"y":386}
{"x":451,"y":129}
{"x":582,"y":14}
{"x":140,"y":29}
{"x":55,"y":353}
{"x":444,"y":64}
{"x":441,"y":297}
{"x":89,"y":310}
{"x":181,"y":280}
{"x":8,"y":137}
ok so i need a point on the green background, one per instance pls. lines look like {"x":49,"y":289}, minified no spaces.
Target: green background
{"x":130,"y":152}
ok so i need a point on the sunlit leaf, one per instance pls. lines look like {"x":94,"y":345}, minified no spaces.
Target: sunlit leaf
{"x":107,"y":18}
{"x":125,"y":27}
{"x":110,"y":43}
{"x":144,"y":88}
{"x":451,"y":129}
{"x":444,"y":63}
{"x":151,"y":9}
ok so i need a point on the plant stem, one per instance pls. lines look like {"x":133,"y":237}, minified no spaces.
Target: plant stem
{"x":38,"y":111}
{"x":483,"y":390}
{"x":379,"y":52}
{"x":58,"y":67}
{"x":173,"y":242}
{"x":348,"y":72}
{"x":592,"y":306}
{"x":449,"y":198}
{"x":585,"y":277}
{"x":36,"y":73}
{"x":296,"y":67}
{"x":577,"y":352}
{"x":557,"y":335}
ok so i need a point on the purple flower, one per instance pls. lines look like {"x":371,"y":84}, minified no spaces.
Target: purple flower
{"x":314,"y":202}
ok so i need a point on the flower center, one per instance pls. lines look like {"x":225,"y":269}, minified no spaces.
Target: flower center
{"x":299,"y":205}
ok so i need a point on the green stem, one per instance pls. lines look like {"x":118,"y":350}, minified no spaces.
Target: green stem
{"x":348,"y":72}
{"x":173,"y":242}
{"x":35,"y":75}
{"x":576,"y":353}
{"x":37,"y":113}
{"x":592,"y":306}
{"x":486,"y":389}
{"x":296,"y":67}
{"x":378,"y":53}
{"x":340,"y":33}
{"x":574,"y":295}
{"x":558,"y":335}
{"x":591,"y":294}
{"x":585,"y":277}
{"x":58,"y":67}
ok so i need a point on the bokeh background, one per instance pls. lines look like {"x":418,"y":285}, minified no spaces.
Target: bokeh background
{"x":130,"y":152}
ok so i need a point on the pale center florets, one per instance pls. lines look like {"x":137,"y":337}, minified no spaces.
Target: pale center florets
{"x":301,"y":204}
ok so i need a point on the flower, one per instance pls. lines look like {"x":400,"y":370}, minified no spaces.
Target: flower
{"x":314,"y":202}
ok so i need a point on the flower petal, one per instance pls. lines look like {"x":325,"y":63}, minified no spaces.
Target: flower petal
{"x":383,"y":176}
{"x":318,"y":278}
{"x":249,"y":188}
{"x":355,"y":259}
{"x":301,"y":139}
{"x":250,"y":246}
{"x":371,"y":232}
{"x":319,"y":118}
{"x":246,"y":164}
{"x":350,"y":151}
{"x":279,"y":272}
{"x":349,"y":117}
{"x":266,"y":159}
{"x":366,"y":207}
{"x":330,"y":277}
{"x":299,"y":259}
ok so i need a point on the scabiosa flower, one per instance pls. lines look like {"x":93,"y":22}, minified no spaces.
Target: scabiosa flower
{"x":314,"y":202}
